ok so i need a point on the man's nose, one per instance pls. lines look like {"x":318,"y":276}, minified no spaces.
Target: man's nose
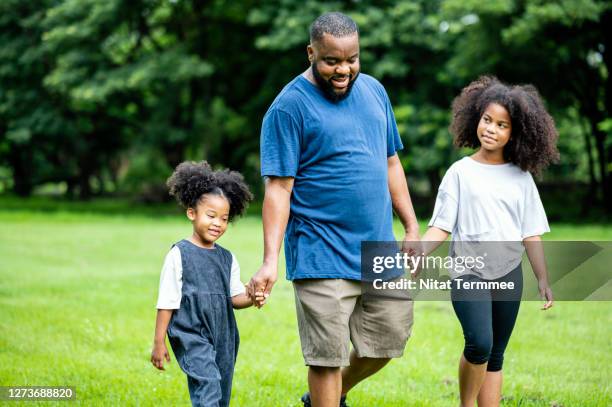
{"x":343,"y":69}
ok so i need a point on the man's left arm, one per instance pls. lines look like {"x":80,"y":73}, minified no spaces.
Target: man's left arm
{"x":400,"y":197}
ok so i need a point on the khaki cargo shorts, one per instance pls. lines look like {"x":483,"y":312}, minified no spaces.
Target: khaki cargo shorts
{"x":332,"y":312}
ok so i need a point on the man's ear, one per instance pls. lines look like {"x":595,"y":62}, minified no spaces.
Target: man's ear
{"x":191,"y":214}
{"x":310,"y":52}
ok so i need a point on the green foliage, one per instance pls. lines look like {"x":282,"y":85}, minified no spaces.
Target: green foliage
{"x":540,"y":14}
{"x":562,"y":49}
{"x":145,"y":176}
{"x":87,"y":85}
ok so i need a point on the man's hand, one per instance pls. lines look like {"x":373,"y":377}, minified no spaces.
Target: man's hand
{"x":413,"y":247}
{"x":275,"y":215}
{"x":262,"y":282}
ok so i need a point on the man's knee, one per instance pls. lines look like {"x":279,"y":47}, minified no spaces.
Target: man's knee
{"x":377,"y":361}
{"x":324,"y":370}
{"x":372,"y":363}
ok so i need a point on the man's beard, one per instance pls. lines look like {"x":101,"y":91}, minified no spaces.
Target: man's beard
{"x":328,"y":88}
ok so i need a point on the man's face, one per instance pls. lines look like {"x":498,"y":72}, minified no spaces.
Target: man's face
{"x":335,"y":64}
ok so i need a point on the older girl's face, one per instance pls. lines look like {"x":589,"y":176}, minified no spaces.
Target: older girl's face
{"x":494,"y":128}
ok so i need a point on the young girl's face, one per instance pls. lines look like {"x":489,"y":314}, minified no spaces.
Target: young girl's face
{"x":209,"y":218}
{"x":494,"y":128}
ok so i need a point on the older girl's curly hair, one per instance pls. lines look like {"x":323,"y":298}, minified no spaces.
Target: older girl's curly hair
{"x":191,"y":180}
{"x":532,"y":144}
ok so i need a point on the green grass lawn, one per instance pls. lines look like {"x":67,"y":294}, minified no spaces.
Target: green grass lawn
{"x":77,"y":307}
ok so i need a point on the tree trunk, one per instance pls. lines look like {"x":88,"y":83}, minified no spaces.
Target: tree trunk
{"x":84,"y":187}
{"x":587,"y":200}
{"x":606,"y":20}
{"x":434,"y":179}
{"x":21,"y":163}
{"x":600,"y":144}
{"x":85,"y":173}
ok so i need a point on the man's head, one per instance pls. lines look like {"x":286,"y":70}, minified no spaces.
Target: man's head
{"x":334,"y":54}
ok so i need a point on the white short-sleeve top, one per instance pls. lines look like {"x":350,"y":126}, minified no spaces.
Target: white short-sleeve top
{"x":479,"y":202}
{"x":171,"y":280}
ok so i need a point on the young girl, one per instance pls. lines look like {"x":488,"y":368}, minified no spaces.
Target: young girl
{"x":200,"y":283}
{"x":491,"y":197}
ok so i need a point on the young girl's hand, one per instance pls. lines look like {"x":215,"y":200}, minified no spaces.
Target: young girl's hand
{"x":260,"y":299}
{"x":158,"y":354}
{"x":546,"y":294}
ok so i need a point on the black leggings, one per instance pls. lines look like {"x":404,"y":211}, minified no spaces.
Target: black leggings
{"x":487,"y":317}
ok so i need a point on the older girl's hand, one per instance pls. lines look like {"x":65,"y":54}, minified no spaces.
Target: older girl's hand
{"x":546,"y":294}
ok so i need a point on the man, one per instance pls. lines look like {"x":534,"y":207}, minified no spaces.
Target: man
{"x":332,"y":176}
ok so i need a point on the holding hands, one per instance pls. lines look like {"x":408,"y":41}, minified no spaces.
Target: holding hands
{"x":261,"y":284}
{"x":413,"y":246}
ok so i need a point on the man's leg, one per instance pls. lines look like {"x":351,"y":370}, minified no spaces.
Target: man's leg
{"x":323,"y":308}
{"x":325,"y":384}
{"x":359,"y":369}
{"x":380,"y":327}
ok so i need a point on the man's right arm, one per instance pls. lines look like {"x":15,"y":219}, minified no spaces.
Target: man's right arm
{"x":275,"y":215}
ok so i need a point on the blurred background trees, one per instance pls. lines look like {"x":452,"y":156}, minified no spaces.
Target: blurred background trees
{"x":106,"y":97}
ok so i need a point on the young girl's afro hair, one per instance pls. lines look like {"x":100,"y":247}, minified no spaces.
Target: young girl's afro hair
{"x":190,"y":181}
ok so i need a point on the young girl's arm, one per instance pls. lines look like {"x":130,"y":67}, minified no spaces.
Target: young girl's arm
{"x":244,"y":300}
{"x":241,"y":301}
{"x":535,"y":253}
{"x":160,"y":351}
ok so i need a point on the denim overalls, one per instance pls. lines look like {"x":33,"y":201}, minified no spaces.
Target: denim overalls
{"x":203,"y":332}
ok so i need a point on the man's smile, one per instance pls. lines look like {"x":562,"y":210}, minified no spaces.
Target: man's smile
{"x":340,"y":82}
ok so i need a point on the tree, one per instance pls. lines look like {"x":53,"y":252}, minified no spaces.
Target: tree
{"x":93,"y":90}
{"x":426,"y":51}
{"x":402,"y":46}
{"x":560,"y":47}
{"x":31,"y":118}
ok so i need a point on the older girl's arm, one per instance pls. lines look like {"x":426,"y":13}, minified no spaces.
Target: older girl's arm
{"x":432,"y":239}
{"x":535,"y":253}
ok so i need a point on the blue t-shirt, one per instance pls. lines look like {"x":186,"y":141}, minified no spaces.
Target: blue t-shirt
{"x":337,"y":154}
